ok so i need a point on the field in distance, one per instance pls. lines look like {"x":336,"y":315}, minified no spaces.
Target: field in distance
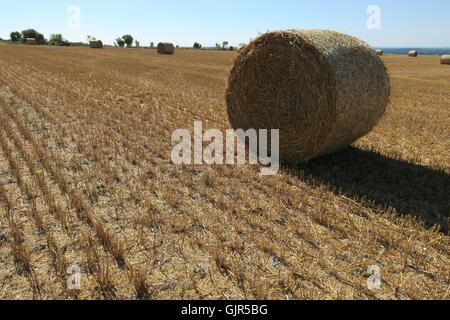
{"x":86,"y":182}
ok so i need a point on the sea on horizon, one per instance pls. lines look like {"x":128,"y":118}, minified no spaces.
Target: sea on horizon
{"x":422,"y":51}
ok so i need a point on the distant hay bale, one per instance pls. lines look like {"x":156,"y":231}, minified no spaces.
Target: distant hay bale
{"x":96,"y":44}
{"x":322,"y":89}
{"x":231,"y":48}
{"x":445,"y":59}
{"x":413,"y":53}
{"x":30,"y":41}
{"x":166,"y":48}
{"x":379,"y":52}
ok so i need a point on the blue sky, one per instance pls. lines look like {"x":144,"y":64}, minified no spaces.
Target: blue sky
{"x":404,"y":23}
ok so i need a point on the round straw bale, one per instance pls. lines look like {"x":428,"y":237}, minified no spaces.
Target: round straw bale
{"x":30,"y":41}
{"x":413,"y":53}
{"x":96,"y":44}
{"x":445,"y":59}
{"x":166,"y":48}
{"x":322,"y":89}
{"x":380,"y":52}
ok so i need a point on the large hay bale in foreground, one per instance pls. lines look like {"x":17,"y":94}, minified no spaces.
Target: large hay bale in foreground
{"x":30,"y":41}
{"x":445,"y":59}
{"x":379,"y":52}
{"x":322,"y":89}
{"x":96,"y":44}
{"x":166,"y":48}
{"x":413,"y":53}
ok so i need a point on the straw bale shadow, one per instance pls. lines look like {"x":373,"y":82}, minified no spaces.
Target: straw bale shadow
{"x":409,"y":188}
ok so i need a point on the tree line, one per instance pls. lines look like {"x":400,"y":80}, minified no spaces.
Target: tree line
{"x":21,"y":37}
{"x":124,"y":41}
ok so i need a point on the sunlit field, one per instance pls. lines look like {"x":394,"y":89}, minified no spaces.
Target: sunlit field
{"x":86,"y":181}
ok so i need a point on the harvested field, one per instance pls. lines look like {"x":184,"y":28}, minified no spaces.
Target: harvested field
{"x":86,"y":180}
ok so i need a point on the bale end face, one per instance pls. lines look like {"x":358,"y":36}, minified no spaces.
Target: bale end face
{"x":322,"y":89}
{"x":380,"y":52}
{"x":97,"y":44}
{"x":165,"y":48}
{"x":445,"y":59}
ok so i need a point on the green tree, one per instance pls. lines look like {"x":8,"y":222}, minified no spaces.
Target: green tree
{"x":16,"y":36}
{"x":137,"y":43}
{"x":120,"y":42}
{"x":57,"y":40}
{"x":31,"y":33}
{"x":40,"y":39}
{"x":225,"y":45}
{"x":128,"y":40}
{"x":152,"y":45}
{"x":197,"y":45}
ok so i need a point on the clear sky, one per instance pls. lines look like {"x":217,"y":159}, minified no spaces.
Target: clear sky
{"x":403,"y":23}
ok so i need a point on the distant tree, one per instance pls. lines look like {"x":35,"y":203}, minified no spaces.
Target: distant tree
{"x":31,"y":33}
{"x":56,"y":37}
{"x":120,"y":42}
{"x":128,"y":40}
{"x":152,"y":45}
{"x":16,"y":36}
{"x":225,"y":45}
{"x":197,"y":45}
{"x":77,"y":44}
{"x":57,"y":40}
{"x":137,"y":43}
{"x":40,"y":39}
{"x":91,"y":38}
